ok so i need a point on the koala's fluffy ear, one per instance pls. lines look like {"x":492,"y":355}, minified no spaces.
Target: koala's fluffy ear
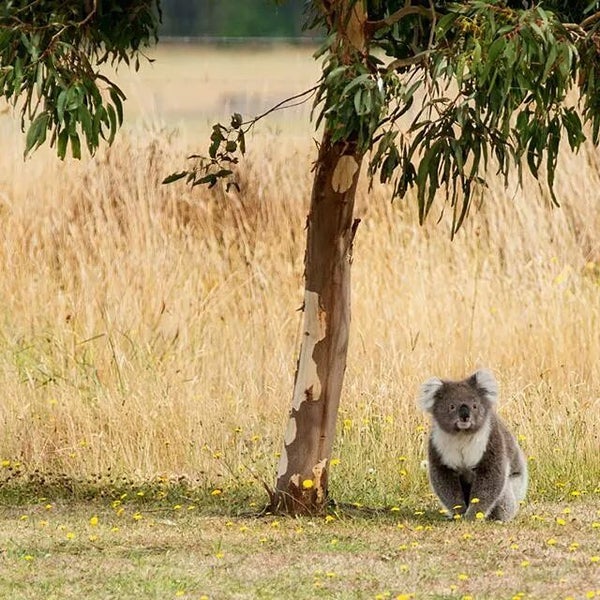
{"x":427,"y":393}
{"x":485,"y":381}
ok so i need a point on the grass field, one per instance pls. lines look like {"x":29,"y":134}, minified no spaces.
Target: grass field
{"x":148,"y":340}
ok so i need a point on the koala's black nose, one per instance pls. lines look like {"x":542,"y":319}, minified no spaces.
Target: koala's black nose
{"x":463,"y":412}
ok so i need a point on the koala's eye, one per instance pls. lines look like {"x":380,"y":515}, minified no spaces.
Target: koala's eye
{"x":452,"y":407}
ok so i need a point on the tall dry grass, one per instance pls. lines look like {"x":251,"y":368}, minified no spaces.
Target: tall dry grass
{"x":153,"y":330}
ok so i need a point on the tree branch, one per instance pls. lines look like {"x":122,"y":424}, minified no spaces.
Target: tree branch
{"x":372,"y":27}
{"x":401,"y":63}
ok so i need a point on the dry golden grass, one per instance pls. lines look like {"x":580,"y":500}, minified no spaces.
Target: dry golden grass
{"x":153,"y":330}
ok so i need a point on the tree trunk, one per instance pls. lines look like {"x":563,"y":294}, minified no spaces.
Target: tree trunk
{"x":302,"y":476}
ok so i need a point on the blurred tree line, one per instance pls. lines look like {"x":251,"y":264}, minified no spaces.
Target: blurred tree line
{"x":232,"y":18}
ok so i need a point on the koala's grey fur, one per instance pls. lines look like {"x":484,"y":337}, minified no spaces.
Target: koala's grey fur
{"x":471,"y":452}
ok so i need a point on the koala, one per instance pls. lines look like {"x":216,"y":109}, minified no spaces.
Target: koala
{"x":471,"y":452}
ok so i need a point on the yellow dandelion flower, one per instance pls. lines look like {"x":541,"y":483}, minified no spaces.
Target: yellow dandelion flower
{"x":403,"y":568}
{"x":404,"y":597}
{"x":179,"y":593}
{"x":331,"y":574}
{"x":28,"y":557}
{"x":595,"y":559}
{"x":114,"y":529}
{"x":177,"y":507}
{"x":467,"y":536}
{"x":216,"y":492}
{"x":219,"y":555}
{"x":560,"y":521}
{"x":275,"y":524}
{"x":70,"y":535}
{"x":467,"y":597}
{"x":499,"y":573}
{"x":525,"y":563}
{"x":590,"y":594}
{"x":5,"y":463}
{"x":334,"y":462}
{"x":308,"y":484}
{"x":24,"y":517}
{"x":596,"y":525}
{"x":43,"y":523}
{"x":463,"y":577}
{"x":575,"y":493}
{"x":480,"y":515}
{"x":93,"y":538}
{"x":137,"y":516}
{"x":551,"y":542}
{"x":514,"y":546}
{"x":573,"y":546}
{"x":475,"y":500}
{"x":329,"y":518}
{"x":94,"y":521}
{"x":243,"y":528}
{"x":395,"y":509}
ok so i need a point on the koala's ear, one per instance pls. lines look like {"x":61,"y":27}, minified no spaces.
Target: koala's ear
{"x":485,"y":381}
{"x":427,"y":393}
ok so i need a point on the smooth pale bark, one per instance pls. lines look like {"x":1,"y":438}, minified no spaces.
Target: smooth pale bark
{"x":302,"y":478}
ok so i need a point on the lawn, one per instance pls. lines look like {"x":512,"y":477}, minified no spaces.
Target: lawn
{"x":131,"y":548}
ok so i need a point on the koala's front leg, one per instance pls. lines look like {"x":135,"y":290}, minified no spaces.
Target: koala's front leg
{"x":488,"y":487}
{"x":446,"y":484}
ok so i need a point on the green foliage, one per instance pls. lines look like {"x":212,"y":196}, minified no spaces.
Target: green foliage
{"x":50,"y":54}
{"x":494,"y":88}
{"x":226,"y":142}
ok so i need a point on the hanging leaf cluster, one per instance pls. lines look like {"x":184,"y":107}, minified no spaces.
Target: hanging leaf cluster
{"x":51,"y":53}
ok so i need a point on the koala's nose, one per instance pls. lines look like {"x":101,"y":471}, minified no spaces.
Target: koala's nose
{"x":463,"y":412}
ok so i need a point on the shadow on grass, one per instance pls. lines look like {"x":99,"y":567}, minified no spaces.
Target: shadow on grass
{"x":19,"y":487}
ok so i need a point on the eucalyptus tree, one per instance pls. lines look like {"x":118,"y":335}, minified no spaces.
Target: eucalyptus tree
{"x":435,"y":94}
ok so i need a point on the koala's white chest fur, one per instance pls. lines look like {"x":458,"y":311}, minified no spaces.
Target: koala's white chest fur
{"x":461,"y":451}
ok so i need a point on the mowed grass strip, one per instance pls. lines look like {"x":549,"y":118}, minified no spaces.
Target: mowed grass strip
{"x":114,"y":550}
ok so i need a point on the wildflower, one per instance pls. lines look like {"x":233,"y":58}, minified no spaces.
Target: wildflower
{"x":463,"y":577}
{"x":480,"y":515}
{"x":275,"y":524}
{"x":395,"y":509}
{"x":573,"y":546}
{"x":137,"y":516}
{"x":28,"y":557}
{"x":24,"y":517}
{"x":329,"y":518}
{"x":560,"y":521}
{"x":70,"y":535}
{"x":177,"y":507}
{"x":219,"y":555}
{"x":525,"y":563}
{"x":48,"y":507}
{"x":216,"y":492}
{"x":551,"y":542}
{"x":308,"y":484}
{"x":94,"y":521}
{"x":404,"y":597}
{"x":595,"y":559}
{"x":334,"y":462}
{"x":475,"y":501}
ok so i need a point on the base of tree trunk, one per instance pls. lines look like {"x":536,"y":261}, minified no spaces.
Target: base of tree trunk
{"x":308,"y":497}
